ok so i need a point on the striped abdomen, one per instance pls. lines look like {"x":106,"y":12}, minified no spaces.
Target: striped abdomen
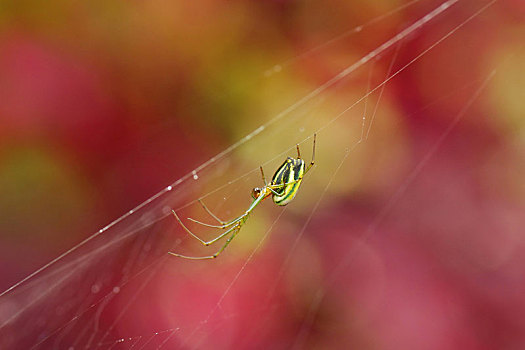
{"x":289,"y":176}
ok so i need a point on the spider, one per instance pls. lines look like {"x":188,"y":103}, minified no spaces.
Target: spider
{"x":283,"y":188}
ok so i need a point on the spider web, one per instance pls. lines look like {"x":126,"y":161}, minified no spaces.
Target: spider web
{"x":273,"y":287}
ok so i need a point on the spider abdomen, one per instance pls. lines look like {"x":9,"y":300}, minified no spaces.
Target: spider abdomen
{"x":287,"y":180}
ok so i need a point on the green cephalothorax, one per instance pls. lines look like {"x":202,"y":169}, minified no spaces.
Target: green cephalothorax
{"x":288,"y":177}
{"x":282,"y":188}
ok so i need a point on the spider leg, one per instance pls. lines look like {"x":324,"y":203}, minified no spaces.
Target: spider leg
{"x":211,"y":214}
{"x":227,"y":242}
{"x":206,"y":243}
{"x":223,"y":224}
{"x":262,"y":174}
{"x":227,"y":224}
{"x":313,"y":157}
{"x":234,"y":229}
{"x":273,"y":191}
{"x":238,"y":228}
{"x":271,"y":187}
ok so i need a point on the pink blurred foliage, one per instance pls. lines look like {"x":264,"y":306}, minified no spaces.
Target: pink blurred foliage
{"x":444,"y":268}
{"x":48,"y":95}
{"x":70,"y":110}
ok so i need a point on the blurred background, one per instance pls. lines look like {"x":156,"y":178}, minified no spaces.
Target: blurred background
{"x":411,"y":239}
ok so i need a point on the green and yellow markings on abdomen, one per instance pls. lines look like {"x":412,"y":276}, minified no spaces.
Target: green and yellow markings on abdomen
{"x":291,"y":173}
